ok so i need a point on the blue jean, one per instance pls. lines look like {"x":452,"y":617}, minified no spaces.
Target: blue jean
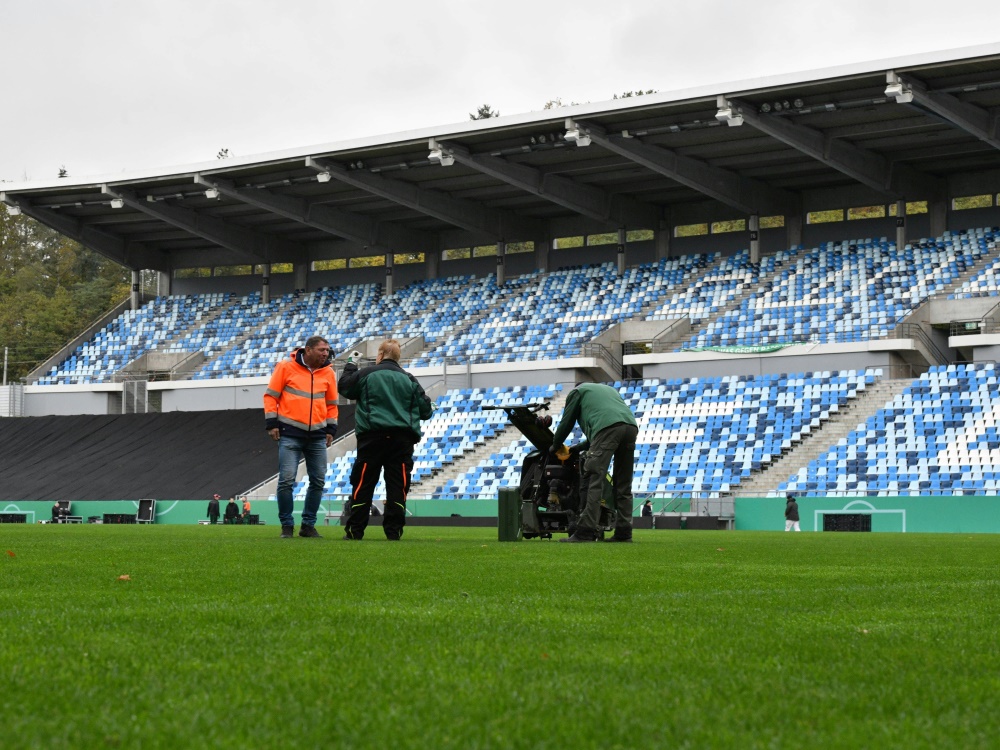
{"x":291,"y":450}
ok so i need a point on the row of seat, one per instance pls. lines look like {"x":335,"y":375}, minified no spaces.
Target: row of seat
{"x":850,"y":291}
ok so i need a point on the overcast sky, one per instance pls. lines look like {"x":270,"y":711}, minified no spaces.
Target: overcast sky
{"x":108,"y":86}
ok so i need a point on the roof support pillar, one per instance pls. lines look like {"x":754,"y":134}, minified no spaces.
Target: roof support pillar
{"x":621,"y":250}
{"x":501,"y":260}
{"x":938,"y":210}
{"x":134,"y":301}
{"x":302,"y":276}
{"x":265,"y":283}
{"x":432,"y":264}
{"x":900,"y":224}
{"x":753,"y":225}
{"x":793,"y":230}
{"x":543,"y":250}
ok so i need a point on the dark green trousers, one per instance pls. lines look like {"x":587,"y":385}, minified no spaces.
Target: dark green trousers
{"x":617,"y":442}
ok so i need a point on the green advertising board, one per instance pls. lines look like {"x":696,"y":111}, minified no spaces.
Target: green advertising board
{"x":954,"y":514}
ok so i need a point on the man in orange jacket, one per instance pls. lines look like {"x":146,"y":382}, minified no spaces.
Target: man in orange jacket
{"x":300,"y":413}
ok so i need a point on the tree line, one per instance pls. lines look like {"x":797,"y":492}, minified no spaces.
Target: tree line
{"x":51,"y":290}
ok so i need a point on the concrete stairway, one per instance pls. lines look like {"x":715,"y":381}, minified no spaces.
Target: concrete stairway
{"x":817,"y":442}
{"x":471,"y":458}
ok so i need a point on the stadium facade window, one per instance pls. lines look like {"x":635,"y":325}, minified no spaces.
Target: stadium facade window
{"x":866,"y":212}
{"x":513,"y":248}
{"x":334,"y":264}
{"x":639,"y":235}
{"x":282,"y":268}
{"x":690,"y":230}
{"x":563,"y":243}
{"x":458,"y":253}
{"x":917,"y":207}
{"x":192,"y":273}
{"x":825,"y":217}
{"x":233,"y":271}
{"x":772,"y":222}
{"x":367,"y":261}
{"x":401,"y":259}
{"x":971,"y":201}
{"x":733,"y":225}
{"x":484,"y":251}
{"x":608,"y":238}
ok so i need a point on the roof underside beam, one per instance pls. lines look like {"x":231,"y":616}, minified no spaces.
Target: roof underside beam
{"x":587,"y":200}
{"x":869,"y":168}
{"x":130,"y":254}
{"x":976,"y":121}
{"x":343,"y":224}
{"x":255,"y":247}
{"x":465,"y":214}
{"x":741,"y":193}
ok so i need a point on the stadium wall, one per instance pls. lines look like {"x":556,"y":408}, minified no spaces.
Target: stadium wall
{"x":192,"y":511}
{"x":212,"y":395}
{"x":937,"y":514}
{"x":51,"y":400}
{"x":964,"y":514}
{"x":805,"y":358}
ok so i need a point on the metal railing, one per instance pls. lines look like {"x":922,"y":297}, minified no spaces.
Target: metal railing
{"x":602,"y":353}
{"x":916,"y":332}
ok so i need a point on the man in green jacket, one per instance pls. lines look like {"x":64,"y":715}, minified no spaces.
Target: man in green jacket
{"x":390,"y":405}
{"x":611,"y":430}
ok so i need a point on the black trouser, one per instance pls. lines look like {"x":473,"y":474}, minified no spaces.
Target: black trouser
{"x":618,"y":442}
{"x":378,"y":451}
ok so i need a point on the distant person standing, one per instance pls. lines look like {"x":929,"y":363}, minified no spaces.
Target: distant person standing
{"x":647,"y":509}
{"x":300,"y":414}
{"x":791,"y":514}
{"x":390,"y":405}
{"x":610,"y":430}
{"x":213,"y":510}
{"x":232,"y":511}
{"x":246,"y":508}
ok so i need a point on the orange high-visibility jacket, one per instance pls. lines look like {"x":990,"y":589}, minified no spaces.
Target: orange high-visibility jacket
{"x":302,"y":403}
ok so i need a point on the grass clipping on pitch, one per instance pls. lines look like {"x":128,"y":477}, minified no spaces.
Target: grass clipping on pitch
{"x":180,"y":636}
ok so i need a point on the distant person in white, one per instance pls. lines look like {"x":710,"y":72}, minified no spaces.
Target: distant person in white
{"x":792,"y":514}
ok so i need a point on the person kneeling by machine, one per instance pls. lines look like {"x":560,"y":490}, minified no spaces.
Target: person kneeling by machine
{"x":610,"y":430}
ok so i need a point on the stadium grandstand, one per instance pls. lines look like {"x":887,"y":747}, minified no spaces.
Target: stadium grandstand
{"x":793,"y":282}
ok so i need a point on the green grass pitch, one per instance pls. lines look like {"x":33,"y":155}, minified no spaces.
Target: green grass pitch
{"x":230,"y":637}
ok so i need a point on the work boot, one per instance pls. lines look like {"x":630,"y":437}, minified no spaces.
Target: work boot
{"x":309,"y":531}
{"x":287,"y":532}
{"x":580,"y":535}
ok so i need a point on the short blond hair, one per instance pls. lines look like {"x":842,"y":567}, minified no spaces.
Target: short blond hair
{"x":389,"y":349}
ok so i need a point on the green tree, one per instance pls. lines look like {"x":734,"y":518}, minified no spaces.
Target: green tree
{"x":51,"y":288}
{"x":485,"y":112}
{"x":638,"y":92}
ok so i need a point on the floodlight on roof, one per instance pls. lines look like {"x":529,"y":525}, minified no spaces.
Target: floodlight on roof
{"x":728,"y":114}
{"x":896,"y":89}
{"x":576,"y":134}
{"x":117,"y":203}
{"x":322,"y":177}
{"x":13,"y":209}
{"x":439,"y":154}
{"x":212,"y":193}
{"x":765,"y":107}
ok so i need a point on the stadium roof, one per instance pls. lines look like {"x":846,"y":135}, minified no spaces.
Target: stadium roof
{"x":925,"y":127}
